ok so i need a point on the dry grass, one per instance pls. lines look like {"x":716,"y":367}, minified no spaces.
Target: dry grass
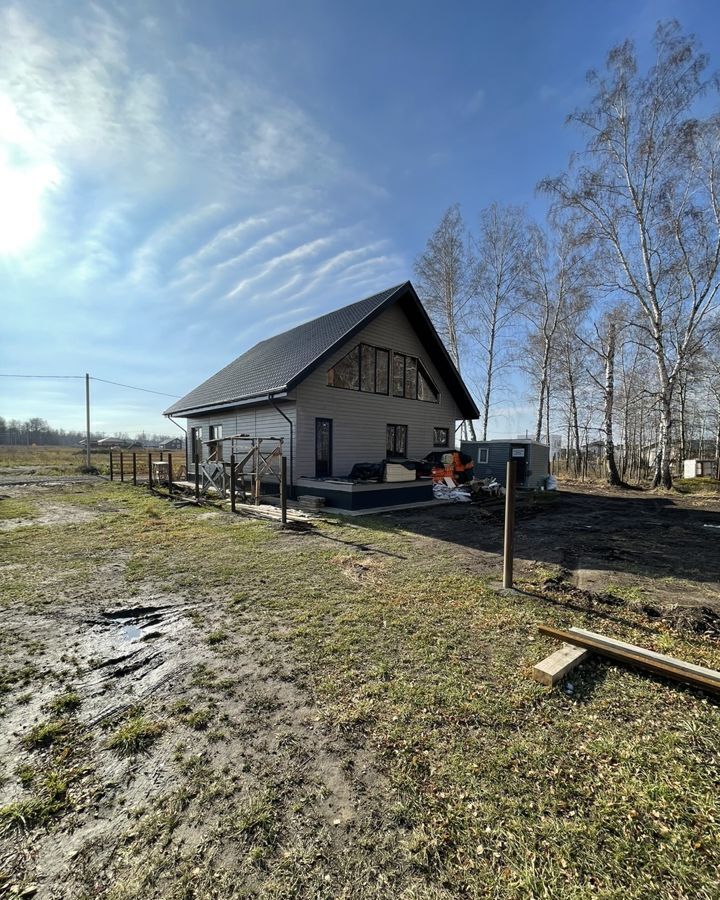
{"x":488,"y":785}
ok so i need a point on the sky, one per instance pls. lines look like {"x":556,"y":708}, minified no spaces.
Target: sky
{"x":181,"y":180}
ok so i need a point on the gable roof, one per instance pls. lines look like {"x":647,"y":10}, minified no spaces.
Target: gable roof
{"x":277,"y":364}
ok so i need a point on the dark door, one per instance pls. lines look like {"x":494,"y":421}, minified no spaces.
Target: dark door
{"x":518,"y":453}
{"x":323,"y":448}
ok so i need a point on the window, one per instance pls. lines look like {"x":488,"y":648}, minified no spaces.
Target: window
{"x":396,"y":441}
{"x":364,"y":368}
{"x":382,"y":371}
{"x":323,"y":448}
{"x":411,"y":380}
{"x":483,"y":455}
{"x":215,"y":453}
{"x":369,"y":369}
{"x":426,"y":390}
{"x":346,"y":371}
{"x":441,"y":437}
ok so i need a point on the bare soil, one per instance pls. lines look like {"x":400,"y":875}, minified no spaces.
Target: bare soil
{"x":656,"y":551}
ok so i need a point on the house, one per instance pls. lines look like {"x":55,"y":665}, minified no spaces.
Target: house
{"x":175,"y":443}
{"x":116,"y":443}
{"x":700,"y":468}
{"x":532,"y":460}
{"x":368,"y":382}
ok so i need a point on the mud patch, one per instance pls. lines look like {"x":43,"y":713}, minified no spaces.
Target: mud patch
{"x":243,"y":754}
{"x":52,"y":514}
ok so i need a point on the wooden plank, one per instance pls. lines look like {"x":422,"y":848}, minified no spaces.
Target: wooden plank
{"x":556,"y":666}
{"x":649,"y":654}
{"x":629,"y":654}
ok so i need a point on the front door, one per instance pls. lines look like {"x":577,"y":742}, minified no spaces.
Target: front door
{"x":518,"y":453}
{"x":323,"y":448}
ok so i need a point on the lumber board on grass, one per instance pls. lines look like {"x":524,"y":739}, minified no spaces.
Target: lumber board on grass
{"x":558,"y":664}
{"x":650,"y":654}
{"x":657,"y":663}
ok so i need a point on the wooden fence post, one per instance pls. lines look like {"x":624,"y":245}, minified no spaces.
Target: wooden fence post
{"x":508,"y":552}
{"x":197,"y":477}
{"x":257,"y":475}
{"x":134,"y":469}
{"x":283,"y":489}
{"x":150,"y":469}
{"x":122,"y":469}
{"x":232,"y":482}
{"x":170,"y":474}
{"x":112,"y":478}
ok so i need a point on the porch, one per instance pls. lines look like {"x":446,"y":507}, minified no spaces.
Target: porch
{"x":342,"y":493}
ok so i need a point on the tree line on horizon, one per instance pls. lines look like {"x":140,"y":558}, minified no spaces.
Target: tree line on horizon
{"x":37,"y":431}
{"x":609,"y":309}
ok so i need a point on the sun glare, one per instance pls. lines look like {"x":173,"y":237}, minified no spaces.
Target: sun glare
{"x":21,"y":195}
{"x":24,"y":179}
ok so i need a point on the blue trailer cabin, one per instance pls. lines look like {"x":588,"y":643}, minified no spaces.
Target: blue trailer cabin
{"x":491,"y":458}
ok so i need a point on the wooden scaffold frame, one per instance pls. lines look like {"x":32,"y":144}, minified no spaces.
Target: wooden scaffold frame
{"x":251,"y":459}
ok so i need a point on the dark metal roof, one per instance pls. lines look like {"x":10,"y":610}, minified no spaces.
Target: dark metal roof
{"x":278,"y":363}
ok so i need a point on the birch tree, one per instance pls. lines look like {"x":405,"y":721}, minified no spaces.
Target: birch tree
{"x":446,"y":282}
{"x":554,"y":275}
{"x":647,"y":190}
{"x":604,"y":346}
{"x":499,"y":250}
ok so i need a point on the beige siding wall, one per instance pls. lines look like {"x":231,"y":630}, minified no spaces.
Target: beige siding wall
{"x":359,"y":419}
{"x":258,"y":421}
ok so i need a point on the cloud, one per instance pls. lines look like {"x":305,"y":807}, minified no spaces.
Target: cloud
{"x":547,"y":93}
{"x":149,"y":178}
{"x":472,"y":106}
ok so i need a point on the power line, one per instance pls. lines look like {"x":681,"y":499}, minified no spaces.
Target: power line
{"x":132,"y":387}
{"x":41,"y":376}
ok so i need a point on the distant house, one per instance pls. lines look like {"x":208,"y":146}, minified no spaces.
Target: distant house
{"x":369,"y":382}
{"x":172,"y":444}
{"x":116,"y":443}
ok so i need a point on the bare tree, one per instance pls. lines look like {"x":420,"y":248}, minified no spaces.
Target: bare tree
{"x":500,"y":250}
{"x":572,"y":380}
{"x":604,"y":346}
{"x":648,"y":192}
{"x":446,"y":281}
{"x":554,"y":275}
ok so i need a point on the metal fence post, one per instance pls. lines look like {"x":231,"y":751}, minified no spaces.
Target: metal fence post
{"x":112,"y":477}
{"x":122,"y":468}
{"x":150,"y":469}
{"x":134,"y":468}
{"x":283,"y":489}
{"x":232,"y":482}
{"x":197,"y":477}
{"x":170,"y":474}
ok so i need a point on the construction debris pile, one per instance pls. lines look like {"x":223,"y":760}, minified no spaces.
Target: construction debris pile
{"x":453,"y":480}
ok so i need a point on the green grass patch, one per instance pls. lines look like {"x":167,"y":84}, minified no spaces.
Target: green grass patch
{"x":48,"y":802}
{"x":16,"y":508}
{"x":696,"y":485}
{"x":135,"y":736}
{"x":45,"y":733}
{"x":217,"y":637}
{"x":66,"y":703}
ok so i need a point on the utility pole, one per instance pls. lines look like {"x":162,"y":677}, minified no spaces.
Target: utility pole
{"x":87,"y":420}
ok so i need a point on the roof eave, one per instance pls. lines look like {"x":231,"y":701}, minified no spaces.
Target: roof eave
{"x":277,"y":393}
